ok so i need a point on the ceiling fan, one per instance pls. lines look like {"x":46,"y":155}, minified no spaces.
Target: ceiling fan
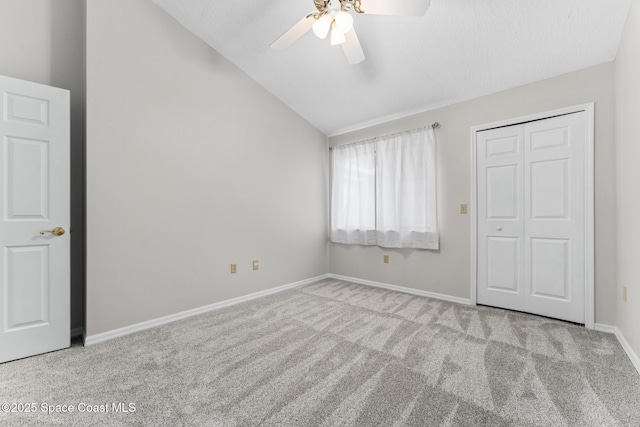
{"x":334,"y":16}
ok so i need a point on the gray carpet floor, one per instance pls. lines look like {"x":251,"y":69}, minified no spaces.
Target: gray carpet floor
{"x":337,"y":353}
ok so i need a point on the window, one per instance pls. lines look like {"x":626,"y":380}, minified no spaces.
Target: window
{"x":383,"y":191}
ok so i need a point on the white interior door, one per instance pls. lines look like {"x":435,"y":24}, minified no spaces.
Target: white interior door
{"x":531,"y":185}
{"x":34,"y":180}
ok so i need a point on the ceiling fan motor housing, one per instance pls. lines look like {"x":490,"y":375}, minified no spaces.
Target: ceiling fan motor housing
{"x":324,"y":6}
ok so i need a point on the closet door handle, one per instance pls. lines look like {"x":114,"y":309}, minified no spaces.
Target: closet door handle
{"x":499,"y":228}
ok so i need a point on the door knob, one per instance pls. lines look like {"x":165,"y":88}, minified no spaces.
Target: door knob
{"x":58,"y":231}
{"x":499,"y":228}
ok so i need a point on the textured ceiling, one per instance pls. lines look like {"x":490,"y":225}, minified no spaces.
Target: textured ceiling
{"x":460,"y":49}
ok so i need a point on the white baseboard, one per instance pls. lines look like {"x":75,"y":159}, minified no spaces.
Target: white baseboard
{"x":116,"y":333}
{"x":465,"y":301}
{"x":601,"y":327}
{"x":635,"y":360}
{"x":633,"y":357}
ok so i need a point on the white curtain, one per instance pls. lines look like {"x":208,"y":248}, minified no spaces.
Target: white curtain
{"x":353,"y":211}
{"x":384,"y":192}
{"x":406,"y":206}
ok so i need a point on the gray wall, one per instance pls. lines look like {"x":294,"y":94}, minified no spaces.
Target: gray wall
{"x":627,"y":89}
{"x":191,"y":166}
{"x":448,"y":270}
{"x":43,"y":41}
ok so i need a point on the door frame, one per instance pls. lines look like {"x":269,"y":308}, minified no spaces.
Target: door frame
{"x":589,"y":232}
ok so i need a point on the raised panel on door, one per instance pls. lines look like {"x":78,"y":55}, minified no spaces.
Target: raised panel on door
{"x":26,"y":170}
{"x":502,"y":264}
{"x":549,"y":134}
{"x":26,"y":287}
{"x":29,"y":110}
{"x":502,"y":200}
{"x":550,"y":269}
{"x":550,"y":189}
{"x":34,"y":178}
{"x":499,"y":165}
{"x":504,"y":144}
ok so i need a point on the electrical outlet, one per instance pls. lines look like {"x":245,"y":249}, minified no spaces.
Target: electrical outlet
{"x":385,"y":259}
{"x":256,"y":264}
{"x":463,"y":208}
{"x":234,"y":268}
{"x":624,"y":293}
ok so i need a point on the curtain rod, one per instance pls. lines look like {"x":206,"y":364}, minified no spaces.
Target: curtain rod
{"x":434,"y":125}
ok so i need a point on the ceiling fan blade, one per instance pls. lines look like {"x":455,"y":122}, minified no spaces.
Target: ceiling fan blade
{"x":294,"y":33}
{"x":395,"y":7}
{"x":352,"y":48}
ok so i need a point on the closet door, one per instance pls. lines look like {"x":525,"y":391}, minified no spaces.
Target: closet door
{"x":501,"y":227}
{"x":531,"y":217}
{"x":555,"y":216}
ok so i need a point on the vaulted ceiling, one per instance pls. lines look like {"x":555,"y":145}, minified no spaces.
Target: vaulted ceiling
{"x":459,"y":50}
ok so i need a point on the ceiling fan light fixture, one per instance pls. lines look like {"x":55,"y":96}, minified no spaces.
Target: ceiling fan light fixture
{"x":322,"y":25}
{"x":344,"y":21}
{"x":337,"y":36}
